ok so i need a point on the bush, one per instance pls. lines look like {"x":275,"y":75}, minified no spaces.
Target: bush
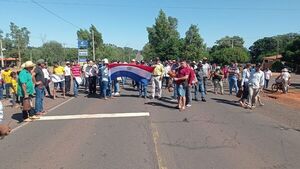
{"x":277,"y":66}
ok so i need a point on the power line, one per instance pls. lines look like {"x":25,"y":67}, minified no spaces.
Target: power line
{"x":166,"y":7}
{"x":54,"y":14}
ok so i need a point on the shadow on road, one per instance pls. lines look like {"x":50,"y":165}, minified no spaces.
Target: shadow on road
{"x":161,"y":104}
{"x":233,"y":103}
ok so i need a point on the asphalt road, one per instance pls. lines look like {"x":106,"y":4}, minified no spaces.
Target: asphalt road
{"x":213,"y":135}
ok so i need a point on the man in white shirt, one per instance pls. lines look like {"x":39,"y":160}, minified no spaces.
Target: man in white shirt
{"x":206,"y":70}
{"x":256,"y":83}
{"x":286,"y":77}
{"x":245,"y":84}
{"x":167,"y":69}
{"x":67,"y":77}
{"x":268,"y":75}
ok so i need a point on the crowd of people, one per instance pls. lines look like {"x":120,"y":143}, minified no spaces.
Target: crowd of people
{"x":180,"y":77}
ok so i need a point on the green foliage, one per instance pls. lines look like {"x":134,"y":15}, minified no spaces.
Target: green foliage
{"x":292,"y":54}
{"x":277,"y":66}
{"x":269,"y":46}
{"x":53,"y":52}
{"x":164,"y":37}
{"x":263,"y":47}
{"x":226,"y":55}
{"x":84,"y":34}
{"x":19,"y":38}
{"x":228,"y":49}
{"x":193,"y":45}
{"x":228,"y":42}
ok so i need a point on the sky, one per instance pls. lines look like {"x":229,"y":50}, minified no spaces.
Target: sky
{"x":124,"y":22}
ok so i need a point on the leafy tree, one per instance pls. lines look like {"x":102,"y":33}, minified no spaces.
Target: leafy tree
{"x":228,"y":41}
{"x":84,"y":34}
{"x":164,"y":37}
{"x":148,"y":52}
{"x":52,"y":52}
{"x":226,"y":55}
{"x":20,"y":39}
{"x":277,"y":66}
{"x":193,"y":45}
{"x":292,"y":54}
{"x":271,"y":45}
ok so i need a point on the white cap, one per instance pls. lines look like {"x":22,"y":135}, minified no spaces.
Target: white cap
{"x":105,"y":61}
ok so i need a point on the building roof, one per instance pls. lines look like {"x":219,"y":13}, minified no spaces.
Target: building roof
{"x":9,"y":59}
{"x":273,"y":57}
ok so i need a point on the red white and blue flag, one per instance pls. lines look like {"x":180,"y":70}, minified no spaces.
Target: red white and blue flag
{"x":138,"y":73}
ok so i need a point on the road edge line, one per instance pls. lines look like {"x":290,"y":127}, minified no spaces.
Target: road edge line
{"x":155,"y":136}
{"x":51,"y":109}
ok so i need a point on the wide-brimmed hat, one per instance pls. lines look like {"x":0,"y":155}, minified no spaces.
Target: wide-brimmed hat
{"x":285,"y":70}
{"x":29,"y":64}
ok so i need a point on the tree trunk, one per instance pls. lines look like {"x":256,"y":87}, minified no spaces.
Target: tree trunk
{"x":19,"y":57}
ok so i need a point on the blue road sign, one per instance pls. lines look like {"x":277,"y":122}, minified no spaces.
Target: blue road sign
{"x":83,"y":44}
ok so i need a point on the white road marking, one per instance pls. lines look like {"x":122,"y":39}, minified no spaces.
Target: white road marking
{"x":53,"y":108}
{"x":92,"y":116}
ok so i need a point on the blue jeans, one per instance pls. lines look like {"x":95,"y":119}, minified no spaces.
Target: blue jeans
{"x":199,"y":88}
{"x":39,"y":98}
{"x":75,"y":87}
{"x":116,"y":86}
{"x":232,"y":80}
{"x":143,"y":89}
{"x":175,"y":91}
{"x":7,"y":89}
{"x":104,"y":88}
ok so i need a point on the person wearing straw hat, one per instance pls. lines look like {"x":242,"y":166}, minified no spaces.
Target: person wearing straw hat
{"x":25,"y":89}
{"x":285,"y":78}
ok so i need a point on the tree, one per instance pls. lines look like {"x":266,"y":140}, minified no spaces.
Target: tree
{"x":271,"y":45}
{"x":228,"y":41}
{"x":292,"y":54}
{"x":52,"y":52}
{"x":148,"y":52}
{"x":20,"y":39}
{"x":226,"y":55}
{"x":87,"y":35}
{"x":164,"y":37}
{"x":193,"y":45}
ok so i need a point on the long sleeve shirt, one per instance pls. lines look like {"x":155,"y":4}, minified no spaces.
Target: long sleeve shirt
{"x":257,"y":79}
{"x":246,"y":76}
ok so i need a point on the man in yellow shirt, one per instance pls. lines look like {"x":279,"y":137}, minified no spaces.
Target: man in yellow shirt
{"x":59,"y":73}
{"x":157,"y":78}
{"x":7,"y":81}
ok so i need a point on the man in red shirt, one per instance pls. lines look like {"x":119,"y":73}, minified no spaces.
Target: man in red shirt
{"x":182,"y":83}
{"x":76,"y":75}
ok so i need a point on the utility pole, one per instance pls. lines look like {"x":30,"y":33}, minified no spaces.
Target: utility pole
{"x":1,"y":54}
{"x":93,"y":37}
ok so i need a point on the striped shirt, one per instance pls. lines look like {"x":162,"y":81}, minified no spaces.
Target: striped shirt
{"x":76,"y":69}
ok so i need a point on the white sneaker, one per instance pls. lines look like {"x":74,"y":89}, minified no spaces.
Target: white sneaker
{"x":117,"y":94}
{"x":113,"y":94}
{"x":188,"y":105}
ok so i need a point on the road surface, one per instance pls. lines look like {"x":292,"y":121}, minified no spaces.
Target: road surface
{"x":217,"y":134}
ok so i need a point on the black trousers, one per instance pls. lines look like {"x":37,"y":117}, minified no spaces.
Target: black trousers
{"x":68,"y":83}
{"x":92,"y":84}
{"x":27,"y":114}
